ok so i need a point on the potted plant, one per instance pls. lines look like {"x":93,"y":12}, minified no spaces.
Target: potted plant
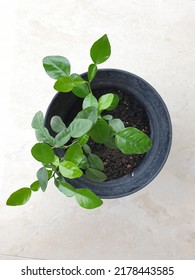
{"x":106,"y":133}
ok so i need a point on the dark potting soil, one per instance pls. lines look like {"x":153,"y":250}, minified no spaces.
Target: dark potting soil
{"x":132,"y":113}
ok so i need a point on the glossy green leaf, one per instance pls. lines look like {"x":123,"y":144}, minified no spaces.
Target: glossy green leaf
{"x":107,"y":117}
{"x":95,"y":175}
{"x":35,"y":186}
{"x":92,"y":70}
{"x":116,"y":124}
{"x":62,"y":138}
{"x":84,"y":163}
{"x":83,"y":140}
{"x":79,"y":127}
{"x":78,"y":80}
{"x":81,"y":91}
{"x":110,"y":142}
{"x":114,"y":103}
{"x":70,"y":170}
{"x":43,"y":153}
{"x":87,"y":149}
{"x":46,"y":165}
{"x":100,"y":50}
{"x":90,"y":101}
{"x":49,"y":173}
{"x":65,"y":188}
{"x":42,"y":176}
{"x":100,"y":131}
{"x":132,"y":141}
{"x":19,"y":197}
{"x":74,"y":154}
{"x":95,"y":162}
{"x":38,"y":121}
{"x":90,"y":113}
{"x":74,"y":76}
{"x":43,"y":135}
{"x":80,"y":87}
{"x":56,"y":66}
{"x":105,"y":101}
{"x":57,"y":124}
{"x":63,"y":84}
{"x":87,"y":199}
{"x":56,"y":161}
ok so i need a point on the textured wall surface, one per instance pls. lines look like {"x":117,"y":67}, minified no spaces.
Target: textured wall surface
{"x":153,"y":39}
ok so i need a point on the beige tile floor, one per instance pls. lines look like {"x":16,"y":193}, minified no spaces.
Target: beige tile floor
{"x":153,"y":39}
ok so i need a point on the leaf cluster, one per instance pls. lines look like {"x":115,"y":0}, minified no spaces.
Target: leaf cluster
{"x":90,"y":123}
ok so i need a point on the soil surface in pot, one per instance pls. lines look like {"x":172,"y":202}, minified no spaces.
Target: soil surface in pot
{"x":132,"y":113}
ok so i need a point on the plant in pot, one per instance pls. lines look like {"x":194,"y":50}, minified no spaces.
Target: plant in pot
{"x":106,"y":133}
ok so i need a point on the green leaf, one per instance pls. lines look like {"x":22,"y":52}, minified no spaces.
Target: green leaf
{"x":62,"y":138}
{"x":92,"y":70}
{"x":43,"y":153}
{"x":87,"y":149}
{"x":63,"y":84}
{"x":110,"y":142}
{"x":79,"y":127}
{"x":116,"y":124}
{"x":43,"y":135}
{"x":56,"y":161}
{"x":38,"y":120}
{"x":56,"y":66}
{"x":74,"y":76}
{"x":130,"y":140}
{"x":19,"y":197}
{"x":57,"y":124}
{"x":114,"y":103}
{"x":90,"y":101}
{"x":80,"y":87}
{"x":95,"y":175}
{"x":70,"y":170}
{"x":48,"y":165}
{"x":65,"y":188}
{"x":95,"y":162}
{"x":74,"y":154}
{"x":90,"y":113}
{"x":49,"y":173}
{"x":83,"y":140}
{"x":84,"y":163}
{"x":105,"y":101}
{"x":107,"y":117}
{"x":77,"y":80}
{"x":42,"y":176}
{"x":35,"y":186}
{"x":100,"y":50}
{"x":100,"y":131}
{"x":87,"y":199}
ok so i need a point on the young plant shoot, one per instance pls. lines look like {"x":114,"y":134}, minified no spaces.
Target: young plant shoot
{"x":90,"y":123}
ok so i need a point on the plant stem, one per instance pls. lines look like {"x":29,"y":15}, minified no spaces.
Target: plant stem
{"x":89,"y":86}
{"x":67,"y":146}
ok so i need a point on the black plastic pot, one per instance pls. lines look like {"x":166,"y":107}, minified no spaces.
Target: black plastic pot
{"x":67,"y":105}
